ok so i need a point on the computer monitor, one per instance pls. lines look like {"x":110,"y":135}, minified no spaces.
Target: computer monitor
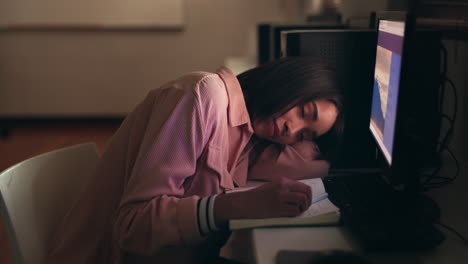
{"x":386,"y":209}
{"x":269,"y":37}
{"x":405,"y":119}
{"x":388,"y":62}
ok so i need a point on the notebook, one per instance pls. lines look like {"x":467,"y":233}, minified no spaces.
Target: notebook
{"x":322,"y":212}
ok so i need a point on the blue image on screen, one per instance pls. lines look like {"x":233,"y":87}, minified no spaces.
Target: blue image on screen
{"x":392,"y":100}
{"x":377,"y":115}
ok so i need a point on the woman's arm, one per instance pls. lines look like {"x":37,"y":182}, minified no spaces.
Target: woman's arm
{"x":297,"y":161}
{"x":281,"y":198}
{"x":152,"y":213}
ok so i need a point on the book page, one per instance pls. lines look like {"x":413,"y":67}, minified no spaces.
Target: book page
{"x":322,"y":207}
{"x":321,"y":212}
{"x":316,"y":185}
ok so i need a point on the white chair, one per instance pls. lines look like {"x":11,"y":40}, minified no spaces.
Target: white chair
{"x":35,"y":195}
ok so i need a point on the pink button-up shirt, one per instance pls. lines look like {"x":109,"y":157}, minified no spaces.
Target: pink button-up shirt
{"x":186,"y":140}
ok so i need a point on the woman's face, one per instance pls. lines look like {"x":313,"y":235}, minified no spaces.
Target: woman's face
{"x":302,"y":122}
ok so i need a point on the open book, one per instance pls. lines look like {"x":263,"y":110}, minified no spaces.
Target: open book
{"x":321,"y":212}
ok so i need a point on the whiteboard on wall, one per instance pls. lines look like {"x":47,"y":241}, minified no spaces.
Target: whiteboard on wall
{"x":91,"y":13}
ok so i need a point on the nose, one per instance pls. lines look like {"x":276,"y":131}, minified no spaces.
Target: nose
{"x":292,"y":128}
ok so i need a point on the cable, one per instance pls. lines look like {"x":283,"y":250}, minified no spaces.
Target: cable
{"x":447,"y":117}
{"x":455,"y":95}
{"x":442,"y":79}
{"x":433,"y":180}
{"x":442,"y":92}
{"x":453,"y":231}
{"x":441,"y":180}
{"x":457,"y":164}
{"x":454,"y":113}
{"x":430,"y":182}
{"x":444,"y":59}
{"x":449,"y":133}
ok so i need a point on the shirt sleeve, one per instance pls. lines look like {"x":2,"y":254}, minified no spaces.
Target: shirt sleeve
{"x":153,"y":213}
{"x":297,"y":161}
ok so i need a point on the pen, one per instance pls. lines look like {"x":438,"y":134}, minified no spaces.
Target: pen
{"x":320,"y":197}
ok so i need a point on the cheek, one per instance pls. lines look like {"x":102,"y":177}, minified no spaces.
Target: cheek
{"x":258,"y":127}
{"x":331,"y":121}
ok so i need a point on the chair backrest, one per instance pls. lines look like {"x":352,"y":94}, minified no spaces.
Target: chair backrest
{"x":35,"y":195}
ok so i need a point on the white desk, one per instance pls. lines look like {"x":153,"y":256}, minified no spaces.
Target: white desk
{"x":261,"y":245}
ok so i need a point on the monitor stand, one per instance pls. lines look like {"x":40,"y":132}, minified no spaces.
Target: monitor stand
{"x":421,"y":206}
{"x":383,"y":218}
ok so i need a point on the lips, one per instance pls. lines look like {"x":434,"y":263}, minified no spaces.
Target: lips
{"x":271,"y":130}
{"x":275,"y":129}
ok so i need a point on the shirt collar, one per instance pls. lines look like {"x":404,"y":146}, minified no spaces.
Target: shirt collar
{"x":237,"y":110}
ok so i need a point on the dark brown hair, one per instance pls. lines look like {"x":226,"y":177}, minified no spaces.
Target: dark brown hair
{"x":276,"y":87}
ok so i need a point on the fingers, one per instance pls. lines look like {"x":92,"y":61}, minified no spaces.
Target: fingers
{"x":289,"y":210}
{"x":299,"y":187}
{"x":281,"y":198}
{"x":299,"y":200}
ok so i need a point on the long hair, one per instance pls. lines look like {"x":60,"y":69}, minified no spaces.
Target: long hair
{"x":276,"y":87}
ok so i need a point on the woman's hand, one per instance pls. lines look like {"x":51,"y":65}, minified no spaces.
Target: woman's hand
{"x":282,"y":198}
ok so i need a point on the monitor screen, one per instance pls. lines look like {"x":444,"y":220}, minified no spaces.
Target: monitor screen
{"x":386,"y":84}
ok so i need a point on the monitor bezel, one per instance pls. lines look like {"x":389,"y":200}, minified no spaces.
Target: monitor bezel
{"x":380,"y":141}
{"x":401,"y":170}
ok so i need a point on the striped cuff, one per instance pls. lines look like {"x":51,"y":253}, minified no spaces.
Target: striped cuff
{"x":205,"y":215}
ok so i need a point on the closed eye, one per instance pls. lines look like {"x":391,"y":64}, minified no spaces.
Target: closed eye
{"x":315,"y":111}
